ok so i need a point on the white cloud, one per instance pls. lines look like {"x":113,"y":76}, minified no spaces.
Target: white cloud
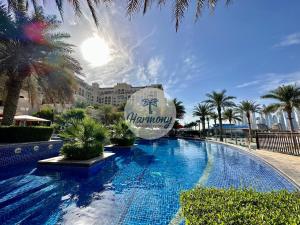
{"x":154,"y":66}
{"x":247,"y":84}
{"x":271,"y":81}
{"x":150,"y":73}
{"x":292,"y":39}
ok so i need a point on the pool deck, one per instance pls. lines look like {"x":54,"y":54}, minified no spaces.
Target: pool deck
{"x":288,"y":165}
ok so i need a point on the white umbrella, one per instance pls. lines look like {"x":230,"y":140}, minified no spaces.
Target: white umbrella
{"x":29,"y":118}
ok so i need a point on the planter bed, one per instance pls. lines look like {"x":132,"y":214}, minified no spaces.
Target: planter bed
{"x":117,"y":148}
{"x":84,"y":167}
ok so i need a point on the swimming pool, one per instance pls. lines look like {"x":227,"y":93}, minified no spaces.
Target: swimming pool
{"x":137,"y":187}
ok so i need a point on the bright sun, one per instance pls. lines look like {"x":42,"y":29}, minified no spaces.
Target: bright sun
{"x":96,"y":51}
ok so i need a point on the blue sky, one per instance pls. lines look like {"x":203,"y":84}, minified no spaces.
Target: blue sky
{"x":247,"y":48}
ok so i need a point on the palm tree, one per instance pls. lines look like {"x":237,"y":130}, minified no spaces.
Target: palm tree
{"x":219,"y":101}
{"x":193,"y":124}
{"x":30,"y":51}
{"x":248,"y":107}
{"x":207,"y":120}
{"x":266,"y":111}
{"x":203,"y":111}
{"x":232,"y":116}
{"x":180,"y":109}
{"x":132,"y":6}
{"x":214,"y":116}
{"x":288,"y":98}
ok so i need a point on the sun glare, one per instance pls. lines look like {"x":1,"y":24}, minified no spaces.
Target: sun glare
{"x":96,"y":51}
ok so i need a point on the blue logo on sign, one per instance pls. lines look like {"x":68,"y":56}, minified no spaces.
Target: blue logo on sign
{"x":150,"y":102}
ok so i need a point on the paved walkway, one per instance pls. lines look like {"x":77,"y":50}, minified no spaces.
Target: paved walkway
{"x":289,"y":165}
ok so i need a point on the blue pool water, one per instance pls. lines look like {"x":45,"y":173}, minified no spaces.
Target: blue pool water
{"x":137,"y":187}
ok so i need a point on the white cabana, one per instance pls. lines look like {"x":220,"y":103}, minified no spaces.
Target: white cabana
{"x":26,"y":120}
{"x":30,"y":118}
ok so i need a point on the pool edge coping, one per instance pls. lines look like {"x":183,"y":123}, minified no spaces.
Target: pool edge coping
{"x":247,"y":151}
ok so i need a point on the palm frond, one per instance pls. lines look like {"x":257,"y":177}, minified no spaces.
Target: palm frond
{"x":133,"y":6}
{"x":199,"y":7}
{"x":147,"y":4}
{"x":179,"y":10}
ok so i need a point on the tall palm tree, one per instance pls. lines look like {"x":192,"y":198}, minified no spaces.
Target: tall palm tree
{"x":203,"y":111}
{"x":29,"y":50}
{"x":232,"y":116}
{"x":207,"y":120}
{"x":266,"y":111}
{"x":288,"y":98}
{"x":219,"y":101}
{"x":132,"y":6}
{"x":248,"y":107}
{"x":214,"y":117}
{"x":180,"y":109}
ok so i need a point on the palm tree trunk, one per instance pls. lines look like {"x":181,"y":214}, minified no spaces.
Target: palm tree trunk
{"x":207,"y":123}
{"x":14,"y":87}
{"x":203,"y":126}
{"x":250,"y":131}
{"x":220,"y":123}
{"x":292,"y":128}
{"x":290,"y":121}
{"x":230,"y":129}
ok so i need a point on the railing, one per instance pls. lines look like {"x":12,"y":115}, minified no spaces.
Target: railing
{"x":284,"y":142}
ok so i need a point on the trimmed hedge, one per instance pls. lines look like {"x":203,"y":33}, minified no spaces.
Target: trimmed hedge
{"x":78,"y":152}
{"x":14,"y":134}
{"x":231,"y":206}
{"x":125,"y":141}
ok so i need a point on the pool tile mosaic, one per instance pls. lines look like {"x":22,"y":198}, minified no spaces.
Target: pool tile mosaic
{"x":139,"y":187}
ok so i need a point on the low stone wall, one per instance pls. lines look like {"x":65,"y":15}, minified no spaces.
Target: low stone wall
{"x":12,"y":154}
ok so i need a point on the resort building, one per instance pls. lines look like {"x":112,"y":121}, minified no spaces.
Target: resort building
{"x":85,"y":93}
{"x":116,"y":95}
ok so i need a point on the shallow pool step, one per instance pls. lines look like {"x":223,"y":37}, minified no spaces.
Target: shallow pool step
{"x":26,"y":202}
{"x":22,"y":191}
{"x":36,"y":214}
{"x":10,"y":185}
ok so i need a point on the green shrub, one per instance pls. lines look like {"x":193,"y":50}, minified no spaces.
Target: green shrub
{"x":77,"y":152}
{"x":68,"y":118}
{"x":121,"y":134}
{"x":232,"y":206}
{"x":46,"y":113}
{"x":77,"y":114}
{"x":84,"y":139}
{"x":14,"y":134}
{"x":123,"y":141}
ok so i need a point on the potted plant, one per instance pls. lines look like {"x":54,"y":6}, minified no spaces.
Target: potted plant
{"x":121,"y":135}
{"x":85,"y":139}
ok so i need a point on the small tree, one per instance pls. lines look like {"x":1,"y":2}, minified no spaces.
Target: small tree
{"x":45,"y":113}
{"x":248,"y":107}
{"x":219,"y":101}
{"x":180,"y":109}
{"x":85,"y":139}
{"x":121,"y":134}
{"x":232,"y":116}
{"x":29,"y":50}
{"x":288,"y":98}
{"x":203,"y":111}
